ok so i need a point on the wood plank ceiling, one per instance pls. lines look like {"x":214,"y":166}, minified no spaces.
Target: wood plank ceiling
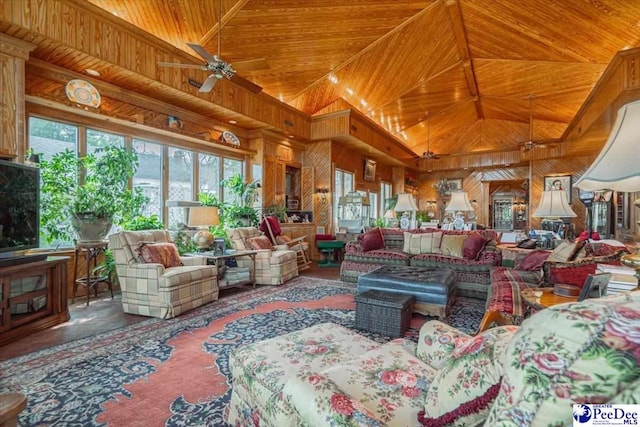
{"x":468,"y":66}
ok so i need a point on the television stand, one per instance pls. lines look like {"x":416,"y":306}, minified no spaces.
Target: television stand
{"x":21,"y":259}
{"x":34,"y":297}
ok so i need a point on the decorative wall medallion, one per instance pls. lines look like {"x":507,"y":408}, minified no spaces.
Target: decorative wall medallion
{"x":230,"y":138}
{"x":83,"y":92}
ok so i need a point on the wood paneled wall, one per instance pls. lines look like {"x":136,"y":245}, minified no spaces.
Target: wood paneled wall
{"x":317,"y":156}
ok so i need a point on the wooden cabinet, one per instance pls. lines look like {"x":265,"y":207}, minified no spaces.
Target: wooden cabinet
{"x":33,"y":297}
{"x":13,"y":54}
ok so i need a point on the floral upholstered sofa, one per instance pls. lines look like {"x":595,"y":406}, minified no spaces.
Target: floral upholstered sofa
{"x":327,"y":375}
{"x":470,"y":254}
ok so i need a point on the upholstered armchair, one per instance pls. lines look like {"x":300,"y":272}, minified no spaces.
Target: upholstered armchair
{"x":274,"y":264}
{"x":162,"y":285}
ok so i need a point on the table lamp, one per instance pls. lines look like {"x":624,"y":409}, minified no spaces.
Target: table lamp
{"x":458,"y":204}
{"x":616,"y":167}
{"x":389,"y":215}
{"x":554,"y":208}
{"x":406,"y":205}
{"x":203,"y":217}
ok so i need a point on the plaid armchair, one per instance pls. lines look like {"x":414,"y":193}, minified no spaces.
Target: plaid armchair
{"x":273,"y":266}
{"x":150,"y":289}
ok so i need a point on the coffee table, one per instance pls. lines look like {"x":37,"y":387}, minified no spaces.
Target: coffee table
{"x":541,"y":298}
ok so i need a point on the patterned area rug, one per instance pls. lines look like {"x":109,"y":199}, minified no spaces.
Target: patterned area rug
{"x":175,"y":372}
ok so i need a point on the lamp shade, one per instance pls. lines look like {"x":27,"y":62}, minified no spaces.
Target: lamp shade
{"x":554,"y":204}
{"x":459,"y":202}
{"x":405,"y":203}
{"x":390,"y":214}
{"x":617,"y":165}
{"x":203,"y":216}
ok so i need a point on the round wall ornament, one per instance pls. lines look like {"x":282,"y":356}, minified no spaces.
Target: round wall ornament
{"x":230,"y":138}
{"x":83,"y":92}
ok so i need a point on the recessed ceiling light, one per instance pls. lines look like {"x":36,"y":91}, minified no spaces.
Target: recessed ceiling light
{"x":92,"y":72}
{"x":292,"y":136}
{"x":233,"y":122}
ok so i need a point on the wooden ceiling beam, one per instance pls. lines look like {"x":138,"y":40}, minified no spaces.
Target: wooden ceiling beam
{"x":463,"y":49}
{"x":228,"y":16}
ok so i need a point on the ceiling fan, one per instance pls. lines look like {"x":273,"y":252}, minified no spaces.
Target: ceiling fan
{"x":220,"y":68}
{"x":429,"y":154}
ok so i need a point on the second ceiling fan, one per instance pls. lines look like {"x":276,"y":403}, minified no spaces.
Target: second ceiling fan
{"x":220,"y":68}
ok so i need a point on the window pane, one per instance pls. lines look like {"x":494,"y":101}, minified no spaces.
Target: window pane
{"x":47,"y":137}
{"x":97,"y":139}
{"x":148,"y":177}
{"x":209,"y":174}
{"x":373,"y":203}
{"x":180,"y":182}
{"x":348,"y":182}
{"x":231,"y":167}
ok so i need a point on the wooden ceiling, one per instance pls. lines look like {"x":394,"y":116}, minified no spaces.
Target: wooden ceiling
{"x":467,"y":65}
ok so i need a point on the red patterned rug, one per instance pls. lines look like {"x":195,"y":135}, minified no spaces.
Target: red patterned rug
{"x":175,"y":372}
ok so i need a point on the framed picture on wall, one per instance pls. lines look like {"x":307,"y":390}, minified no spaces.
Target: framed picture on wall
{"x":369,"y":170}
{"x":562,"y":182}
{"x":452,"y":185}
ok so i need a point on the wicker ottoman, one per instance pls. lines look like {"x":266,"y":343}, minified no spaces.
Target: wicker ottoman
{"x":386,"y":313}
{"x":434,"y":288}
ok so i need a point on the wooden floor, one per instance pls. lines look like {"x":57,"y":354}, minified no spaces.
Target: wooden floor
{"x":104,"y":314}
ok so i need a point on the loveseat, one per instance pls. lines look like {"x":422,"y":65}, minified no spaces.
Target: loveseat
{"x":327,"y":375}
{"x":470,"y":254}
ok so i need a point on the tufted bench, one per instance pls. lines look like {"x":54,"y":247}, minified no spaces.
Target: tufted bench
{"x":434,"y":288}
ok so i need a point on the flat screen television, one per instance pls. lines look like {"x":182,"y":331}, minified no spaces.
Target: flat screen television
{"x":19,"y":207}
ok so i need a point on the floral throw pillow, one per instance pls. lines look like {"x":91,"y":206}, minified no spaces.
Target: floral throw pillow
{"x":165,"y":253}
{"x":587,"y":351}
{"x":462,"y":391}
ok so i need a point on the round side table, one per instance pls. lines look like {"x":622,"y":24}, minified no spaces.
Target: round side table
{"x":541,"y":298}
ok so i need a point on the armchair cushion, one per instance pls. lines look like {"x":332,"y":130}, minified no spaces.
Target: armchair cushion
{"x":462,"y":392}
{"x":164,"y":253}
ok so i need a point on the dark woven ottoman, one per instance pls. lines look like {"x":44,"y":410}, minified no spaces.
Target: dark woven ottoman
{"x":434,"y":288}
{"x":386,"y":313}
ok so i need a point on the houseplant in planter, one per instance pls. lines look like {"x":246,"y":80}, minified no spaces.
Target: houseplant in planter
{"x":239,"y":212}
{"x":82,"y":196}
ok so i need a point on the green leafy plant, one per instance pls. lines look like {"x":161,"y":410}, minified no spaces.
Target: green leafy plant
{"x":239,"y":212}
{"x":142,"y":222}
{"x":92,"y":186}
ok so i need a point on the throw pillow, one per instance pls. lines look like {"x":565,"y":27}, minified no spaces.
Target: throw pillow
{"x":532,"y":261}
{"x":372,"y":239}
{"x":462,"y":391}
{"x":422,"y":243}
{"x":473,"y":245}
{"x":282,"y":240}
{"x":165,"y":253}
{"x":452,"y":244}
{"x":259,"y":242}
{"x":568,"y":273}
{"x":566,"y":251}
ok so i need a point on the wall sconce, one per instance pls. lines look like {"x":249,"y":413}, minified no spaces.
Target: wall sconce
{"x":322,"y":193}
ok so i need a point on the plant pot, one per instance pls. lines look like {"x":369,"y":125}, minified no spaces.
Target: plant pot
{"x":89,"y":228}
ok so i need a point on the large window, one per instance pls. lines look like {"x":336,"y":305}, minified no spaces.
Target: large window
{"x":49,"y":137}
{"x":343,"y":184}
{"x":385,"y":198}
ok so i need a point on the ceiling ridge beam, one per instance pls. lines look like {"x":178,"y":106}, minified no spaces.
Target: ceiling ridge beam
{"x":374,"y":44}
{"x":453,"y":7}
{"x":228,"y":16}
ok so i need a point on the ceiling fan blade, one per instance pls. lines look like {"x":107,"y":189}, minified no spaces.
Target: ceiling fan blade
{"x":251,"y":65}
{"x":209,"y":83}
{"x":241,"y":81}
{"x":176,"y":65}
{"x":202,"y":52}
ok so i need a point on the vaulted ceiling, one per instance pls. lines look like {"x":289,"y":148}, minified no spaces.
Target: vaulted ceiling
{"x":449,"y":76}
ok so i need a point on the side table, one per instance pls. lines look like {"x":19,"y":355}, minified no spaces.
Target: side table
{"x":328,"y":249}
{"x":541,"y":298}
{"x":91,"y":251}
{"x":218,"y":261}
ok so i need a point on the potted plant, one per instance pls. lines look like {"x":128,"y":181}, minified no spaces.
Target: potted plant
{"x":239,"y":212}
{"x":82,"y":197}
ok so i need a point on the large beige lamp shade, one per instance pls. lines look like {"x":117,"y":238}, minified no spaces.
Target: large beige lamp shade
{"x":406,"y":205}
{"x":617,"y":167}
{"x":554,"y":204}
{"x":203,"y":217}
{"x":459,"y":203}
